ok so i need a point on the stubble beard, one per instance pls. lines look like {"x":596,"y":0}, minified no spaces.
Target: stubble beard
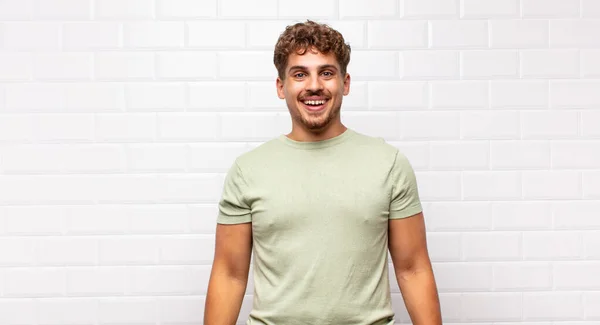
{"x":318,"y":122}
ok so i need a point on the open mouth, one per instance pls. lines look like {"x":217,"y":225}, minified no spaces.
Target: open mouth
{"x":314,"y":105}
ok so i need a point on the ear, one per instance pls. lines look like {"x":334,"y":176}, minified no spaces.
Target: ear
{"x":279,"y":85}
{"x":346,"y":84}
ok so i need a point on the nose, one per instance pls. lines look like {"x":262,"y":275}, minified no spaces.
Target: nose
{"x":314,"y":83}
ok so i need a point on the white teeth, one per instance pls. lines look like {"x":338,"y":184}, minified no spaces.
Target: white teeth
{"x":314,"y":102}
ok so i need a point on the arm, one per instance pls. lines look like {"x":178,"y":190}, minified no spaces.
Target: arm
{"x":229,"y":274}
{"x":408,"y":249}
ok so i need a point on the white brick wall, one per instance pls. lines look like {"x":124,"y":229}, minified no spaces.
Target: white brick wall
{"x":119,"y":119}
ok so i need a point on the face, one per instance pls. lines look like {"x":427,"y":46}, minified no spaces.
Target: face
{"x":313,"y":89}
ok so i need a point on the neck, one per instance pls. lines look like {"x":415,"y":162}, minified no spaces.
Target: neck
{"x":304,"y":135}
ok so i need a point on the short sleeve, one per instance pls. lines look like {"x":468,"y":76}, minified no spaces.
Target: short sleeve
{"x":233,"y":206}
{"x":405,"y":200}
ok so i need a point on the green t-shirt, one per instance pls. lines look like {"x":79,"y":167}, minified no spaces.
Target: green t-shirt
{"x":319,"y":214}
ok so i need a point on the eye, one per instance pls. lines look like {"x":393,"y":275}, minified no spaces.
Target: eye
{"x":299,"y":75}
{"x":328,"y":73}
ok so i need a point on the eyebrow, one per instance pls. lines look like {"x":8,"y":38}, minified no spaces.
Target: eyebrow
{"x":321,"y":67}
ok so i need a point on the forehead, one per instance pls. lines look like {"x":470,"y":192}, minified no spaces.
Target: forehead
{"x":311,"y":59}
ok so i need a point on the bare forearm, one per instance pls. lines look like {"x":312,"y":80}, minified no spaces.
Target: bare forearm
{"x":224,"y":299}
{"x":419,"y":292}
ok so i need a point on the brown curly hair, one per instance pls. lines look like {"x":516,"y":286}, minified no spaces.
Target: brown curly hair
{"x":301,"y":37}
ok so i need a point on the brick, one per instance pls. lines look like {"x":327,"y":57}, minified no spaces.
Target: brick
{"x":416,"y":151}
{"x":156,"y":96}
{"x":96,"y":220}
{"x":459,"y":155}
{"x":17,"y":251}
{"x":186,"y":9}
{"x":589,"y":123}
{"x":429,"y":125}
{"x":203,"y":218}
{"x":550,"y":9}
{"x":18,"y":310}
{"x":125,"y":127}
{"x":551,"y":185}
{"x":590,"y":9}
{"x":211,"y":96}
{"x":491,"y":185}
{"x":186,"y":65}
{"x":555,"y":245}
{"x":430,"y":9}
{"x":65,"y":128}
{"x":374,"y":9}
{"x":41,"y":189}
{"x":458,"y":216}
{"x":521,"y":215}
{"x":576,"y":275}
{"x":490,"y":9}
{"x":549,"y":64}
{"x":523,"y":276}
{"x":158,"y":218}
{"x":519,"y":94}
{"x":574,"y":33}
{"x":489,"y":64}
{"x":61,"y":9}
{"x":439,"y":185}
{"x":591,"y":185}
{"x":160,"y":280}
{"x":373,"y":64}
{"x":591,"y":244}
{"x":459,"y":34}
{"x":263,"y":34}
{"x":29,"y":282}
{"x":385,"y":95}
{"x":549,"y":124}
{"x":443,"y":247}
{"x":62,"y":66}
{"x":94,"y":97}
{"x":261,"y":96}
{"x":576,"y":215}
{"x":156,"y":158}
{"x":489,"y":306}
{"x":53,"y":158}
{"x":379,"y":124}
{"x":127,"y":9}
{"x":231,"y":35}
{"x":95,"y":281}
{"x":489,"y":125}
{"x":123,"y":66}
{"x":574,"y":93}
{"x":184,"y":249}
{"x":429,"y":65}
{"x":552,"y":306}
{"x":67,"y":251}
{"x":459,"y":94}
{"x":491,"y":246}
{"x":127,"y":310}
{"x":590,"y":302}
{"x":590,"y":63}
{"x":463,"y":277}
{"x":31,"y":36}
{"x":34,"y":220}
{"x":49,"y":97}
{"x":245,"y":9}
{"x":15,"y":128}
{"x":519,"y":34}
{"x":294,"y":9}
{"x":128,"y":250}
{"x":246,"y":65}
{"x":577,"y":155}
{"x":520,"y":155}
{"x":176,"y":310}
{"x":67,"y":311}
{"x":152,"y":35}
{"x":243,"y":126}
{"x":91,"y":36}
{"x":187,"y":126}
{"x":16,"y":66}
{"x":16,"y":10}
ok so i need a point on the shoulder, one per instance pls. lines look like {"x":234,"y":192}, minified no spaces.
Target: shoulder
{"x":258,"y":155}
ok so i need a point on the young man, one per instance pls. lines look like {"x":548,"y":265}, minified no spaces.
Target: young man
{"x":319,"y":207}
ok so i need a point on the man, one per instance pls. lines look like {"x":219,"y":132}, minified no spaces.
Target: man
{"x":319,"y":207}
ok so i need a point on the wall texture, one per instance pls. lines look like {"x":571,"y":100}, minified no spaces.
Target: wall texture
{"x":119,"y":118}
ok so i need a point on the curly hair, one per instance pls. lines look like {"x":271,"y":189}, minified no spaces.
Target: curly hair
{"x":302,"y":37}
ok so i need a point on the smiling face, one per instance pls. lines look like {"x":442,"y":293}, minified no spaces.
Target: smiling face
{"x":313,"y":89}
